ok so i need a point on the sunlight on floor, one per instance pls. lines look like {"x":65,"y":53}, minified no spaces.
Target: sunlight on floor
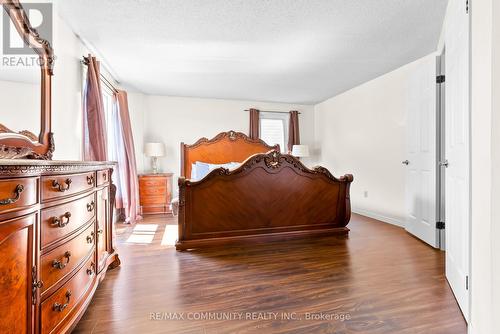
{"x":143,"y":234}
{"x":170,"y":235}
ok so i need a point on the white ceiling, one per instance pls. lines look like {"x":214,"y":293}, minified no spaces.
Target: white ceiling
{"x":294,"y":51}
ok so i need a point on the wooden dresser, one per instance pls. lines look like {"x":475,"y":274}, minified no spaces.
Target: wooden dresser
{"x":56,"y":242}
{"x":155,"y":192}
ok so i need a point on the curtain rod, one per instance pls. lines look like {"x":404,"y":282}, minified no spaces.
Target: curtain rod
{"x":108,"y":84}
{"x":274,"y":111}
{"x":105,"y":80}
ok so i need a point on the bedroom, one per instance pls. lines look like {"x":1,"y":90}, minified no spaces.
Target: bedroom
{"x":393,"y":99}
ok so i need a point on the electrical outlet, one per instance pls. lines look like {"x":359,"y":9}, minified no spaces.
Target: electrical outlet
{"x":366,"y":193}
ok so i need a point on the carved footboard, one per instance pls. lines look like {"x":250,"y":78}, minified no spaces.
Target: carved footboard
{"x":270,"y":196}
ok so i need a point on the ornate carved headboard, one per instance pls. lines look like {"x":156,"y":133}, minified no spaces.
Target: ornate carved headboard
{"x":226,"y":147}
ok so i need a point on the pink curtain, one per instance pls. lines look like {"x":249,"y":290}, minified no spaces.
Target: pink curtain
{"x":254,"y":124}
{"x":293,"y":130}
{"x":94,"y":122}
{"x":123,"y":152}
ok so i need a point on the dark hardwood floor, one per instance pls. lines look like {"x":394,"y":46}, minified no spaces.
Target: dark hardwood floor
{"x":379,"y":280}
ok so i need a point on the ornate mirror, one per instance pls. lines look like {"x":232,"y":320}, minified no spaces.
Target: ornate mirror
{"x":25,"y":88}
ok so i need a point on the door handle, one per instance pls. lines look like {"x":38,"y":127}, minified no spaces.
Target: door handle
{"x":406,"y":162}
{"x":444,"y":164}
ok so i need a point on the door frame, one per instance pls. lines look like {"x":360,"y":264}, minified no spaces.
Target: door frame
{"x":440,"y":148}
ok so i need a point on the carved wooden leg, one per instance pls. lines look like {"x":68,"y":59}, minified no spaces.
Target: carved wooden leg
{"x":116,"y":262}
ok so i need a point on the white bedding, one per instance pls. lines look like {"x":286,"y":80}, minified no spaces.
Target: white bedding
{"x":201,"y":169}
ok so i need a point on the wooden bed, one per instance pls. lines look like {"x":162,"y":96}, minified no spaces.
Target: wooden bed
{"x":270,"y":196}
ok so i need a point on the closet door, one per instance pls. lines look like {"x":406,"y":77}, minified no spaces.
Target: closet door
{"x":420,"y":161}
{"x":457,"y":151}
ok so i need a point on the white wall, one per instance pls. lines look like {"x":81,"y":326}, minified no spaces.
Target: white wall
{"x":363,"y":132}
{"x":137,"y":109}
{"x":495,"y":172}
{"x":173,"y":120}
{"x":67,"y":92}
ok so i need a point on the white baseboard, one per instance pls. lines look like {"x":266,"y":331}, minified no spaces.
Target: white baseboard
{"x":382,"y":218}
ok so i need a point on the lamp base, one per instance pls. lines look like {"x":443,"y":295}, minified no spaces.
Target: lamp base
{"x":154,"y":164}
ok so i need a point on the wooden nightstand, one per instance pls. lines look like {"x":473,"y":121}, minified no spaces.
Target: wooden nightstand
{"x":155,"y":193}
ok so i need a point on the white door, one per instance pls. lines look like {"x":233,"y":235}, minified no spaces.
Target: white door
{"x":420,"y":160}
{"x":457,"y":151}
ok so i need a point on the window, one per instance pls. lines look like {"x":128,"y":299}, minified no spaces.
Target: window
{"x":110,"y":113}
{"x":109,"y":110}
{"x":274,"y":129}
{"x":114,"y":135}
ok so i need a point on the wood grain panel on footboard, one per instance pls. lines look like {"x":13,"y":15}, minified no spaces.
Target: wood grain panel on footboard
{"x":270,"y":196}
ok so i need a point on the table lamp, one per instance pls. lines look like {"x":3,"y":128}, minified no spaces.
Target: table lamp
{"x":300,"y":151}
{"x":154,"y":150}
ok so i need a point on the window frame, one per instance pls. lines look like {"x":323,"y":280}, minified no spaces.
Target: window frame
{"x":285,"y":118}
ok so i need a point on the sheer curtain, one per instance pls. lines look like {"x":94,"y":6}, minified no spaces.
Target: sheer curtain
{"x":94,"y":122}
{"x":123,"y":152}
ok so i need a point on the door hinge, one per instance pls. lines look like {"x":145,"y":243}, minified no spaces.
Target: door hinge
{"x":440,"y":79}
{"x":467,"y":282}
{"x":35,"y":285}
{"x":467,"y":6}
{"x":440,"y":225}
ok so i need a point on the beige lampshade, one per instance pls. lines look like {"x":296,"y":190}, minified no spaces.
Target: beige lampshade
{"x":300,"y":151}
{"x":154,"y":150}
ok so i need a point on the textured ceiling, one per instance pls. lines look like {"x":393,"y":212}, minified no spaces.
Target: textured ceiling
{"x":295,"y":51}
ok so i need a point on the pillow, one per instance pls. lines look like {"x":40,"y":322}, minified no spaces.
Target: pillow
{"x":228,"y":165}
{"x":235,"y":165}
{"x":202,"y":168}
{"x":193,"y":172}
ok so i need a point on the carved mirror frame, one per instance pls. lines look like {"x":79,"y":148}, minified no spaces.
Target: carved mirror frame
{"x":25,"y":144}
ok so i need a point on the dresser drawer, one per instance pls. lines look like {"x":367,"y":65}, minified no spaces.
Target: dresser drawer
{"x":155,"y":191}
{"x":54,"y":187}
{"x":153,"y":181}
{"x":61,"y":220}
{"x":17,"y":194}
{"x":55,"y":308}
{"x":154,"y":200}
{"x":61,"y":261}
{"x":103,"y":177}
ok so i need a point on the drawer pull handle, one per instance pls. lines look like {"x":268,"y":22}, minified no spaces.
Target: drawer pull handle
{"x":90,"y":238}
{"x":60,"y":307}
{"x":17,"y":194}
{"x":60,"y":264}
{"x":104,"y":176}
{"x":99,"y":231}
{"x":62,"y":187}
{"x":60,"y":222}
{"x":90,"y":180}
{"x":90,"y":206}
{"x":91,"y":270}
